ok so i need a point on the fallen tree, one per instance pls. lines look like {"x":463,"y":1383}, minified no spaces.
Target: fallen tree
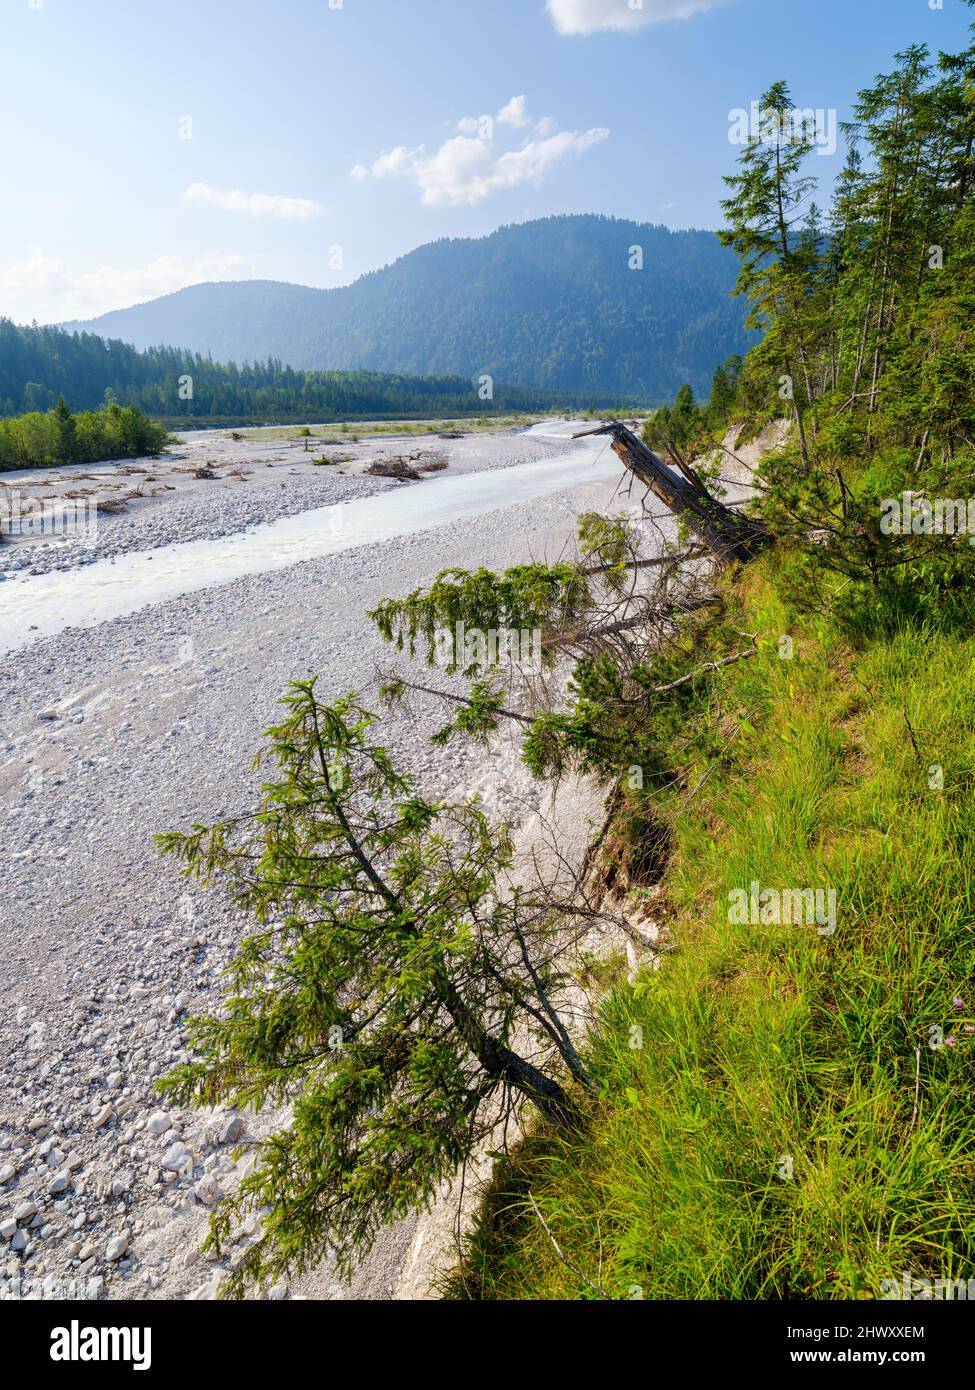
{"x":728,"y":534}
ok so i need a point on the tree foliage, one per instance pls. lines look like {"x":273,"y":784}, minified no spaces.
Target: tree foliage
{"x":36,"y":440}
{"x":869,"y":338}
{"x":398,"y":994}
{"x":39,"y":364}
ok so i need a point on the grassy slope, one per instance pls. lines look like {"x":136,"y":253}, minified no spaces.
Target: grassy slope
{"x":766,"y":1041}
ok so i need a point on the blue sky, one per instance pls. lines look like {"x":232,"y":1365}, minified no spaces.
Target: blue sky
{"x":316,"y":125}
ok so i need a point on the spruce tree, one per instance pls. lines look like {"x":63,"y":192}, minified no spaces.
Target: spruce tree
{"x":398,"y":994}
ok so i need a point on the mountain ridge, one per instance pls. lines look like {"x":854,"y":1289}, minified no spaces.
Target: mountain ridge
{"x":551,"y":303}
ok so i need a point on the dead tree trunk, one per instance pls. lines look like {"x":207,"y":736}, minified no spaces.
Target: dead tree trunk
{"x":728,"y":534}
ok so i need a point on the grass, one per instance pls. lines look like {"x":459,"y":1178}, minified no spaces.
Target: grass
{"x":773,"y":1121}
{"x":376,"y":430}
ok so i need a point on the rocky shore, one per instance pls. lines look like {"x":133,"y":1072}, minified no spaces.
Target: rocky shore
{"x":210,"y":485}
{"x":137,"y":725}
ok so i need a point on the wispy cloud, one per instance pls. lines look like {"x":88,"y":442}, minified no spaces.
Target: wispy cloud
{"x":398,"y":161}
{"x":49,"y":290}
{"x":254,"y":204}
{"x":515,"y":113}
{"x":468,"y":168}
{"x":36,"y":272}
{"x":591,"y":16}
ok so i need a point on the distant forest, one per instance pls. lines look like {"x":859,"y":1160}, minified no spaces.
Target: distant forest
{"x":582,"y":304}
{"x":38,"y":365}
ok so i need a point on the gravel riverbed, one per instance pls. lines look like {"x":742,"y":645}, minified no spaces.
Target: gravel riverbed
{"x":110,"y":734}
{"x":164,"y":502}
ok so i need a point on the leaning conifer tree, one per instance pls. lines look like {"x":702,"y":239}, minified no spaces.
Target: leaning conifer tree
{"x":392,"y":990}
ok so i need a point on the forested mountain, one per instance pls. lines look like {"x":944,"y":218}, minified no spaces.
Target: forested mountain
{"x":37,"y":365}
{"x":552,"y":304}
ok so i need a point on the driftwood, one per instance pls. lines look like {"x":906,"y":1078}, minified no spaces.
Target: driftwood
{"x":409,"y":467}
{"x":726,"y":533}
{"x":394,"y":468}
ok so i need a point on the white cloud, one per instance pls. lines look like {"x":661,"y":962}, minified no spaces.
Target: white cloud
{"x":50,"y":291}
{"x":398,"y":161}
{"x":35,"y":273}
{"x":458,"y":173}
{"x":588,"y":16}
{"x":253,"y":204}
{"x":514,"y":114}
{"x":467,"y":170}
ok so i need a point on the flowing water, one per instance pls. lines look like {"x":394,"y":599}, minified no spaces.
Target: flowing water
{"x":45,"y":605}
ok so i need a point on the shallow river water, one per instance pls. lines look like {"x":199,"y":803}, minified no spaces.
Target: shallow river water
{"x":44,"y":605}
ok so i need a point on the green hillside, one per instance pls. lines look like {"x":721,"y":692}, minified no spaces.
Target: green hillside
{"x":551,"y":304}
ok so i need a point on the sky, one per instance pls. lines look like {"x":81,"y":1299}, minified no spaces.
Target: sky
{"x":152,"y":144}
